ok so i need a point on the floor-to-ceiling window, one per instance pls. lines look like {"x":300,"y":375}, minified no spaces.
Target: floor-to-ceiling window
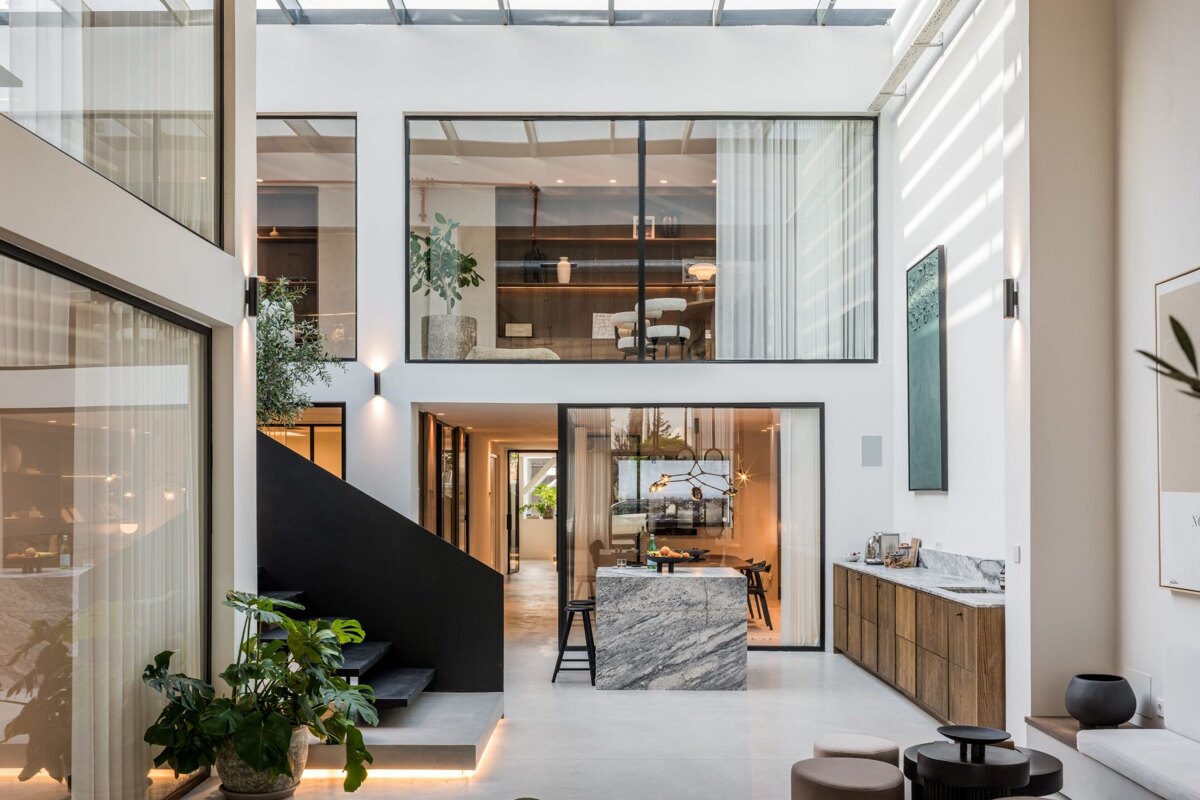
{"x":742,"y":484}
{"x":104,"y":491}
{"x":644,"y":240}
{"x":307,"y":220}
{"x":319,"y":436}
{"x":127,"y":87}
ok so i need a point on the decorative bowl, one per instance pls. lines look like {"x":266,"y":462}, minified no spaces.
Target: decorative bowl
{"x":852,"y":557}
{"x":1100,"y":701}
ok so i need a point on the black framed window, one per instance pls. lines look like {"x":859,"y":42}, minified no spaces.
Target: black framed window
{"x":319,"y":436}
{"x":444,"y":480}
{"x":132,"y":90}
{"x":658,"y":239}
{"x":307,"y":219}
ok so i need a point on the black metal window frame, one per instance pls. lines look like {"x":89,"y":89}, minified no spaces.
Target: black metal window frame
{"x":312,"y":454}
{"x":564,"y":482}
{"x":642,"y":120}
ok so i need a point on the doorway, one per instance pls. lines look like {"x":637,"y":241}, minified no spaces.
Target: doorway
{"x":532,"y":506}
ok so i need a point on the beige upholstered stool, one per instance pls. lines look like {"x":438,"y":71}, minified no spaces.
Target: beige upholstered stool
{"x":846,"y":779}
{"x":856,"y":745}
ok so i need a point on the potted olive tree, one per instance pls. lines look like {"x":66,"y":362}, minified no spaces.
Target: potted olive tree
{"x":281,"y":692}
{"x":437,"y":266}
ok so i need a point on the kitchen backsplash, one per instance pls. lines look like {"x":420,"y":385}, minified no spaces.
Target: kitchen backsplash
{"x":985,"y":570}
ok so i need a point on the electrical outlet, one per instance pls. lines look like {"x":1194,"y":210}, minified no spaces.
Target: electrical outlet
{"x":1160,"y":707}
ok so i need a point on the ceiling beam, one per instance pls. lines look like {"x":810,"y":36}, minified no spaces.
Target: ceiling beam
{"x":685,"y":138}
{"x":612,"y":137}
{"x":505,"y":12}
{"x":718,"y":11}
{"x":8,"y":80}
{"x":451,"y":136}
{"x":178,"y":9}
{"x":822,"y":11}
{"x":399,"y":12}
{"x":292,"y":10}
{"x":612,"y":12}
{"x":928,"y":36}
{"x":531,"y":135}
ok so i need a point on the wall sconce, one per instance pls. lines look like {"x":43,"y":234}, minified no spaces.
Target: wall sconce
{"x":378,"y":384}
{"x":252,"y":296}
{"x":1012,"y":299}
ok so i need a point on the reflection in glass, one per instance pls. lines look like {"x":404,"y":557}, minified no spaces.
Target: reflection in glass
{"x":307,"y":230}
{"x":126,"y":88}
{"x":318,"y":436}
{"x":743,"y":484}
{"x":103,"y":490}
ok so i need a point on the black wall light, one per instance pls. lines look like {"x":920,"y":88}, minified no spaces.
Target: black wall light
{"x":378,"y":384}
{"x":1012,"y":299}
{"x":252,"y":296}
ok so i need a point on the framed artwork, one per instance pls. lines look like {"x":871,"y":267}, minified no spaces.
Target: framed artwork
{"x":926,"y":334}
{"x":1178,"y":440}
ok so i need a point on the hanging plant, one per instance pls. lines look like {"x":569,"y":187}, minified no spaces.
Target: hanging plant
{"x":291,"y":355}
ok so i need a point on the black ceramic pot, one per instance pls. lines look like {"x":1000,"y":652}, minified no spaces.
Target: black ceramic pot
{"x":1100,"y":701}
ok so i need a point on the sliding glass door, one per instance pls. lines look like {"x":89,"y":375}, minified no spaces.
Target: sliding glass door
{"x":642,"y":240}
{"x":104,"y":532}
{"x":742,"y":486}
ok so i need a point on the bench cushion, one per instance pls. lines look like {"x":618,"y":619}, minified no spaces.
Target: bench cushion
{"x":1163,"y":761}
{"x":511,"y":354}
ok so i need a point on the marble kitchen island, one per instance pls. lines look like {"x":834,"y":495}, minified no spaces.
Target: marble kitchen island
{"x":685,"y":630}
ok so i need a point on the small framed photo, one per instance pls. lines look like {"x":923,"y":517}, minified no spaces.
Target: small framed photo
{"x":518,"y":330}
{"x":649,"y":221}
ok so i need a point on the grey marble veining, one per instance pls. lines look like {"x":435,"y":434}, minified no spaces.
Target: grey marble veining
{"x":664,"y":631}
{"x":984,"y":570}
{"x":933,"y":582}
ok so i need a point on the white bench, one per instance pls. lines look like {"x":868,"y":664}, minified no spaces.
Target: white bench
{"x":1166,"y":761}
{"x":511,"y":354}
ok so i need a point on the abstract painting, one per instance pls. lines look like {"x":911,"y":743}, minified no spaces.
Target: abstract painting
{"x":926,"y":323}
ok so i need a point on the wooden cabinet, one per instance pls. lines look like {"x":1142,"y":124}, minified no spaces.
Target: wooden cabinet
{"x":947,"y":656}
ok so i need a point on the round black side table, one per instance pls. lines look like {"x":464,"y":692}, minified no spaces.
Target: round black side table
{"x":1045,"y":773}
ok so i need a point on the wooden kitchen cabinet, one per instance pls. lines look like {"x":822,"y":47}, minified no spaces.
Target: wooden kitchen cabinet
{"x":947,"y":656}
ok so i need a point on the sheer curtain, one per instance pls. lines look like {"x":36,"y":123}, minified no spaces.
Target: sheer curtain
{"x":590,"y":509}
{"x":795,"y":239}
{"x":800,"y":526}
{"x":35,"y":313}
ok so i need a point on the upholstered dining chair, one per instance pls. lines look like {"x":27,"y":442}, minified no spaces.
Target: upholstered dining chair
{"x":625,"y":333}
{"x":666,"y":335}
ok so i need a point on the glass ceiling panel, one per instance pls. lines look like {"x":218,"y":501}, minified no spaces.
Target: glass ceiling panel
{"x":572,"y":130}
{"x":506,"y":131}
{"x":559,"y":5}
{"x":663,"y":5}
{"x":425,"y":129}
{"x":454,"y":5}
{"x":274,"y":127}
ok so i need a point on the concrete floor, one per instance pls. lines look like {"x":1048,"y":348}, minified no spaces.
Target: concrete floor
{"x":567,"y":741}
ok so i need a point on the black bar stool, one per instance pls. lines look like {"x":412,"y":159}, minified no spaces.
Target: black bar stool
{"x":585,"y":609}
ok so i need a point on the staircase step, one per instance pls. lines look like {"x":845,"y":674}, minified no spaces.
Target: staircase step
{"x":398,"y":687}
{"x":294,"y":595}
{"x":361,"y":657}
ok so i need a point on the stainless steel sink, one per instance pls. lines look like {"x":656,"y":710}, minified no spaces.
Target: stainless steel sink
{"x":967,"y":589}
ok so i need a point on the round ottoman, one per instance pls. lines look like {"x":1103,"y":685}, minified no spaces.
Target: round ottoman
{"x":856,"y":745}
{"x":846,"y":779}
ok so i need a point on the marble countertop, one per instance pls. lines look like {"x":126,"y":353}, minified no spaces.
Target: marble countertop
{"x":681,"y":571}
{"x":932,"y":582}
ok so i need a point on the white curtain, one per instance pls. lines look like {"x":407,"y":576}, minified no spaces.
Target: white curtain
{"x":795,"y":240}
{"x":800,"y":526}
{"x":35,"y":314}
{"x":590,"y":501}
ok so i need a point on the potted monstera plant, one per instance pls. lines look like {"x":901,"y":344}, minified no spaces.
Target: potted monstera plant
{"x":281,"y":692}
{"x":437,"y":266}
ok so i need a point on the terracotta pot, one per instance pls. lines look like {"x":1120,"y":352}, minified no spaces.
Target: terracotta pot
{"x":1100,"y":701}
{"x":447,"y":338}
{"x":239,"y":781}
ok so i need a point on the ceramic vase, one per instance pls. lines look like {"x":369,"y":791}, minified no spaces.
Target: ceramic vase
{"x":1100,"y":701}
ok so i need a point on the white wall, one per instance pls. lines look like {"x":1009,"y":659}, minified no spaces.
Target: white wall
{"x":947,"y":189}
{"x":365,"y":70}
{"x":1158,"y":237}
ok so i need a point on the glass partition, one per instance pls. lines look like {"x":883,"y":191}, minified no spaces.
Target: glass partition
{"x":103,"y":536}
{"x":740,"y":486}
{"x":746,"y":239}
{"x":307,"y":228}
{"x":126,"y":87}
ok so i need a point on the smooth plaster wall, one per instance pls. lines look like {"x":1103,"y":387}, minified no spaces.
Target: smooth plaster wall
{"x":361,"y":70}
{"x":1159,"y":122}
{"x":947,"y":188}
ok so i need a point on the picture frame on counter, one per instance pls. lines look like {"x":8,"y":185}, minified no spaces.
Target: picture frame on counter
{"x":518,"y":330}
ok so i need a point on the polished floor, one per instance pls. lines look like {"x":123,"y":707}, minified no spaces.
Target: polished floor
{"x":567,"y":741}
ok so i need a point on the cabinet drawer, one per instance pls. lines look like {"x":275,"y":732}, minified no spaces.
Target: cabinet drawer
{"x":961,"y":639}
{"x":906,"y":613}
{"x":839,"y":628}
{"x":854,"y":635}
{"x":885,"y":617}
{"x":870,"y":645}
{"x":963,"y":697}
{"x":839,"y":586}
{"x":885,"y":658}
{"x":931,"y":623}
{"x":906,"y":666}
{"x":932,"y":679}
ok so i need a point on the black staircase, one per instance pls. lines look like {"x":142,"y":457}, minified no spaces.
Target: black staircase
{"x":434,"y":616}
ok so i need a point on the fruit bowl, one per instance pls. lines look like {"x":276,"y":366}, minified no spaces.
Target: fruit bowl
{"x":668,"y":561}
{"x":697,"y":553}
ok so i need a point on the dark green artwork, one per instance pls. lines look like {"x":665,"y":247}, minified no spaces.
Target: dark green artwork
{"x":927,"y":469}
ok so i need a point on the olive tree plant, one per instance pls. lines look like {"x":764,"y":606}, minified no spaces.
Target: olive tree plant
{"x":291,"y":356}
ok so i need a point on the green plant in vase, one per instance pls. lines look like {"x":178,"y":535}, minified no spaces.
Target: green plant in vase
{"x":44,"y":719}
{"x":545,"y":501}
{"x":437,"y":266}
{"x":281,"y":692}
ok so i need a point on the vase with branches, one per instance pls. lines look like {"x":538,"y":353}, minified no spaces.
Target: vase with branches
{"x":436,"y":266}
